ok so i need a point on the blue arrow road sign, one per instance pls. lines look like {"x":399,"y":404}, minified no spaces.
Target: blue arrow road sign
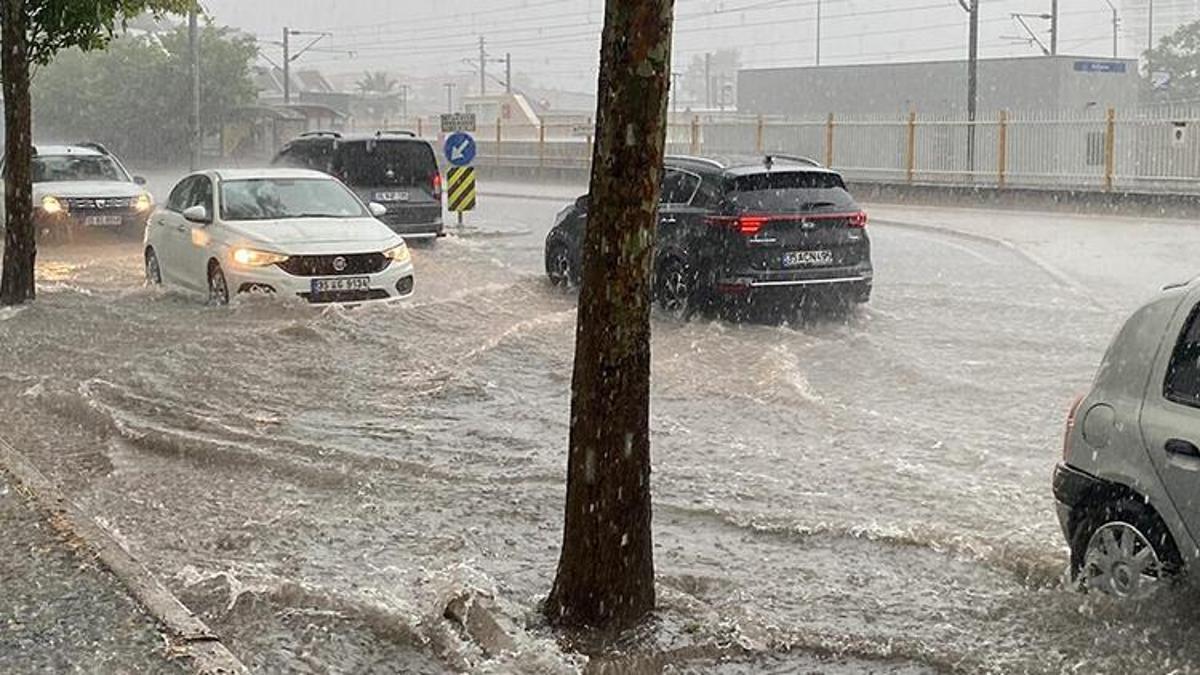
{"x":460,"y":149}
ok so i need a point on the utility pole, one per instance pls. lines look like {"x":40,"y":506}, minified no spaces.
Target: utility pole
{"x":482,"y":66}
{"x":818,"y":32}
{"x":450,"y":96}
{"x":972,"y":9}
{"x":508,"y":73}
{"x":1116,"y":21}
{"x":1150,"y":42}
{"x":676,"y":78}
{"x":1054,"y":27}
{"x":194,"y":72}
{"x":404,"y":89}
{"x":708,"y":80}
{"x":287,"y":66}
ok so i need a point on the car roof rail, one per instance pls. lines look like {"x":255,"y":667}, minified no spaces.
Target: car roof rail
{"x":695,"y":160}
{"x":321,"y":134}
{"x":92,"y":145}
{"x":397,"y":132}
{"x":799,"y":159}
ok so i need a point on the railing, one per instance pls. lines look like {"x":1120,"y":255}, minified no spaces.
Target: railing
{"x":1145,"y":150}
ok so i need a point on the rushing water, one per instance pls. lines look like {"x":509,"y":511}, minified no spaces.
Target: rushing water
{"x":868,"y":491}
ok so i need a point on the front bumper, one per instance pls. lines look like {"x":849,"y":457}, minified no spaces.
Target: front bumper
{"x":395,"y":282}
{"x":90,"y":220}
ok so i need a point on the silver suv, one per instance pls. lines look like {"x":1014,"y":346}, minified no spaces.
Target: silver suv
{"x":1128,"y":489}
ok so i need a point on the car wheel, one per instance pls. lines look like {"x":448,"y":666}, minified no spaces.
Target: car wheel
{"x":675,"y":288}
{"x":153,"y":269}
{"x":218,"y":289}
{"x":1124,"y":550}
{"x":560,"y":266}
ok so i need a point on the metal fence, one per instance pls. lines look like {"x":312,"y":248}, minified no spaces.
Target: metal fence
{"x":1139,"y":150}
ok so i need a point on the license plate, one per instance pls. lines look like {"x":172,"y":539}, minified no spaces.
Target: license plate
{"x":808,"y":259}
{"x":392,"y":196}
{"x":342,"y":284}
{"x":103,"y":221}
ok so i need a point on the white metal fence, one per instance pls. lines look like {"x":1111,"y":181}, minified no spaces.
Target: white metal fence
{"x":1141,"y":150}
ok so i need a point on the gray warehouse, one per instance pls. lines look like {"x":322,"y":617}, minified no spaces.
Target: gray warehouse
{"x":1059,"y":83}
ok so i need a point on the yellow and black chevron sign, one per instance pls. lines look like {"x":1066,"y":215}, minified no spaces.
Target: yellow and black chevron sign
{"x":462,"y":188}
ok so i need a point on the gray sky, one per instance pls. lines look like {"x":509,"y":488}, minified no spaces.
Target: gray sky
{"x":555,"y":41}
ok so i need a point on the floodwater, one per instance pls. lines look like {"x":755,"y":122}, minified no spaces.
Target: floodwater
{"x":853,"y":493}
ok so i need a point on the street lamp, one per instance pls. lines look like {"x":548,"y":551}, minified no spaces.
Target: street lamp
{"x":1116,"y":21}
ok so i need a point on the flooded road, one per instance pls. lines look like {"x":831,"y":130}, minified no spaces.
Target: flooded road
{"x":870,"y":491}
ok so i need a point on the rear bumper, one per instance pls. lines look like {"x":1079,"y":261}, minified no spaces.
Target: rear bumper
{"x":857,"y":276}
{"x":1073,"y":488}
{"x":428,"y":230}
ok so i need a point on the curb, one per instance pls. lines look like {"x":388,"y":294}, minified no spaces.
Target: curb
{"x":190,"y":634}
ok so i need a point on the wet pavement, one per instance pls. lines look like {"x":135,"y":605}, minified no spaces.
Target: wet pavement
{"x":871,"y":489}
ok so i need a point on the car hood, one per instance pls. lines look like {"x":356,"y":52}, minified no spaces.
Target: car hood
{"x":98,"y":188}
{"x":318,"y":235}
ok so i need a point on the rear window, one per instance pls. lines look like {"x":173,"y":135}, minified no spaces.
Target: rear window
{"x":789,"y":191}
{"x":381,"y":163}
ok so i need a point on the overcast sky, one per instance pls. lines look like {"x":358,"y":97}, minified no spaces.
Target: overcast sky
{"x":555,"y":42}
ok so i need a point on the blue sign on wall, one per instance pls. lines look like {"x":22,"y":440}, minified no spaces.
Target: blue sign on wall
{"x":1117,"y":67}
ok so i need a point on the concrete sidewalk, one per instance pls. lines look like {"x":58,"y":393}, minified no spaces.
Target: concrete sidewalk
{"x":60,"y":610}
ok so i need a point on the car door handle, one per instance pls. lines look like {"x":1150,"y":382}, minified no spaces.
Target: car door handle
{"x":1182,"y":448}
{"x":181,"y":228}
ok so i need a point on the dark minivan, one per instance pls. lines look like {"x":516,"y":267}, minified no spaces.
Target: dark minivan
{"x":775,"y":227}
{"x":395,"y":169}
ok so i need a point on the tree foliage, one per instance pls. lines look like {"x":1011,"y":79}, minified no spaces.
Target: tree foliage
{"x":135,"y":96}
{"x":56,"y":25}
{"x":1177,"y":55}
{"x":378,"y":82}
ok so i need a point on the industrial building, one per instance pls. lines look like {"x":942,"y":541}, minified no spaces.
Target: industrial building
{"x":1050,"y":83}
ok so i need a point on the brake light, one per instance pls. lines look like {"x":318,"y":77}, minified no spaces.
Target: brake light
{"x":858,"y":219}
{"x":437,"y":185}
{"x":1072,"y":417}
{"x":746,"y":225}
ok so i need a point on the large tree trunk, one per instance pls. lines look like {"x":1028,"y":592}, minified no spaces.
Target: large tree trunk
{"x":20,"y":249}
{"x":606,"y":571}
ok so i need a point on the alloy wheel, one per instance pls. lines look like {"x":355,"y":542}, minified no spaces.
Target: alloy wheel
{"x":1121,"y":561}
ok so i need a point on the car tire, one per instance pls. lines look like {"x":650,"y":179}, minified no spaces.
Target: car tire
{"x":675,"y":287}
{"x":218,"y":288}
{"x":153,"y":268}
{"x":560,"y":266}
{"x":1123,"y":549}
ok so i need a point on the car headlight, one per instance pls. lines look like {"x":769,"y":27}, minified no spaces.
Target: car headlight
{"x":249,"y":257}
{"x":400,"y":254}
{"x":143,"y":203}
{"x":51,"y":205}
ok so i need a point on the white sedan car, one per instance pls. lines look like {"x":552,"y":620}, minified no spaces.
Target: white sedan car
{"x":280,"y":231}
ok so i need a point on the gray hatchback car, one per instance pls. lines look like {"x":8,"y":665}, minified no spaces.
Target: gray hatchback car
{"x":1128,"y":489}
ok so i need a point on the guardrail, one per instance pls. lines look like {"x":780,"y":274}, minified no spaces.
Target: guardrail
{"x":1141,"y":150}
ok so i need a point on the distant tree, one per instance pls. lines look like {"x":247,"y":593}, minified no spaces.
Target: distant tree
{"x":377,"y":83}
{"x":86,"y":95}
{"x":33,"y":32}
{"x":1177,"y":55}
{"x":606,"y":571}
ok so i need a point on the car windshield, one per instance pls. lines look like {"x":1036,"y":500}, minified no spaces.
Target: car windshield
{"x":385,"y":163}
{"x":75,"y":168}
{"x":777,"y":192}
{"x":282,"y":198}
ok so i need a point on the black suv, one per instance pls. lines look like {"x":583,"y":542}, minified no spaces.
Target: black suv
{"x":775,"y":226}
{"x":393,"y":168}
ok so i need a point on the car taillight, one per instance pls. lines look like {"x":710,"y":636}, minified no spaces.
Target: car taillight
{"x":746,"y":225}
{"x":858,"y":219}
{"x":437,"y":185}
{"x":1072,"y":417}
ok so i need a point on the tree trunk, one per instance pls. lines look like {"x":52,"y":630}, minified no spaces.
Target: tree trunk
{"x":606,"y":571}
{"x":20,"y":249}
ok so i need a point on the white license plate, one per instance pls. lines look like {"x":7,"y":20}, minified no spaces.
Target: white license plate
{"x":342,"y":284}
{"x":808,"y":259}
{"x":103,"y":221}
{"x":392,"y":196}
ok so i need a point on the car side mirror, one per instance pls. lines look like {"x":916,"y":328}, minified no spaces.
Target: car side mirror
{"x":139,"y":180}
{"x":378,"y":210}
{"x":582,"y":203}
{"x":197,"y":214}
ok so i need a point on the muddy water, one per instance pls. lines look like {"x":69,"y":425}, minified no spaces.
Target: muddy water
{"x":871,"y":491}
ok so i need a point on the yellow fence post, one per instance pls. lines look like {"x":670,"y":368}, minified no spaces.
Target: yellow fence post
{"x":829,"y":141}
{"x":499,"y":133}
{"x":1110,"y":149}
{"x":912,"y":147}
{"x":695,"y":134}
{"x":759,"y":143}
{"x":1002,"y":151}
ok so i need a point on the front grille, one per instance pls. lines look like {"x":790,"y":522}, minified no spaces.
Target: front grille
{"x":327,"y":265}
{"x":100,"y":203}
{"x":345,"y":296}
